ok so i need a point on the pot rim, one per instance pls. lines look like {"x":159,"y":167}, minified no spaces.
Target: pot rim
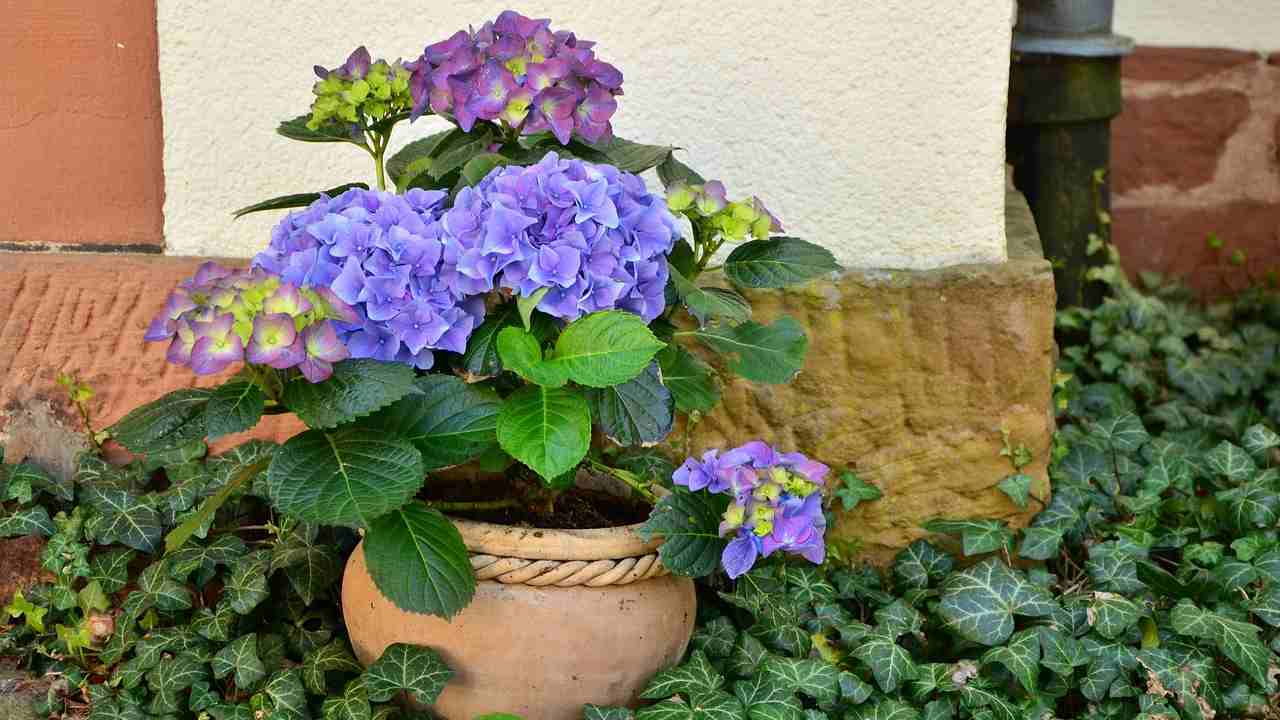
{"x":611,"y":543}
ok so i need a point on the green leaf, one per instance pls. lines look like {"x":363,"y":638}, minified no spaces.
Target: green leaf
{"x":632,"y":157}
{"x":110,"y":569}
{"x":413,"y":161}
{"x":353,"y":704}
{"x":1239,"y":641}
{"x":814,"y":678}
{"x":979,"y":602}
{"x":597,"y":712}
{"x":232,"y":470}
{"x":475,"y":169}
{"x":689,"y":524}
{"x":449,"y":421}
{"x":288,"y":696}
{"x":161,"y":590}
{"x":481,"y":360}
{"x":920,"y":565}
{"x":348,"y":476}
{"x":526,"y":304}
{"x":246,"y":582}
{"x":521,"y":353}
{"x":1231,"y":462}
{"x":772,"y":354}
{"x":1259,"y":440}
{"x":605,"y":348}
{"x":706,"y":303}
{"x":1040,"y":543}
{"x":296,"y":129}
{"x":295,"y":200}
{"x":979,"y":536}
{"x":673,"y":172}
{"x":240,"y":657}
{"x":1061,"y":652}
{"x":639,"y":411}
{"x":1018,"y":488}
{"x":853,"y":490}
{"x":217,"y":623}
{"x":889,"y":662}
{"x":1021,"y":657}
{"x":123,"y":518}
{"x":891,"y":710}
{"x":334,"y":657}
{"x":1253,"y":505}
{"x":418,"y":560}
{"x":696,"y":676}
{"x":456,"y":150}
{"x":547,"y":429}
{"x":233,"y":407}
{"x":767,"y":699}
{"x":310,"y":568}
{"x":1124,"y":432}
{"x":692,"y":383}
{"x":418,"y":671}
{"x":175,"y":419}
{"x":716,"y":638}
{"x":222,"y":551}
{"x":35,"y":478}
{"x":26,"y":521}
{"x":777,"y":262}
{"x":356,"y":388}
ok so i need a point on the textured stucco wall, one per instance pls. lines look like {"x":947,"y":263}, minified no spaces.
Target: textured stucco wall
{"x":1244,"y":24}
{"x":874,"y":128}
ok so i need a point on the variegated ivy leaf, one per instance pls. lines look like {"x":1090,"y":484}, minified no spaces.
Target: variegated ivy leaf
{"x":1239,"y":641}
{"x":1017,"y":487}
{"x":1230,"y":461}
{"x":695,"y":676}
{"x":808,"y":585}
{"x":1112,"y":566}
{"x":716,"y":638}
{"x":1266,"y":606}
{"x":110,"y":569}
{"x":1082,"y":463}
{"x":240,"y":657}
{"x":979,"y":602}
{"x":598,"y":712}
{"x":27,"y":521}
{"x":1233,"y":575}
{"x":852,"y":689}
{"x":173,"y":640}
{"x":717,"y":705}
{"x":36,"y":479}
{"x":216,"y":623}
{"x":418,"y":671}
{"x":353,"y":704}
{"x":898,"y":618}
{"x":889,"y":662}
{"x":920,"y":564}
{"x":1061,"y":652}
{"x":309,"y":567}
{"x":814,"y":678}
{"x":890,"y":710}
{"x":1251,"y":506}
{"x":978,"y":694}
{"x":225,"y":550}
{"x":1259,"y":440}
{"x":225,"y":711}
{"x":246,"y":582}
{"x":748,"y":655}
{"x":1020,"y":656}
{"x":334,"y":657}
{"x":1124,"y":432}
{"x":767,"y":699}
{"x":161,"y":590}
{"x":124,"y":518}
{"x":979,"y":536}
{"x":1111,"y":614}
{"x":1107,"y":659}
{"x":1040,"y":543}
{"x":170,"y":678}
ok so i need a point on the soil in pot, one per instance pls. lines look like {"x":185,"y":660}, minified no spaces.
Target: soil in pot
{"x":581,"y":507}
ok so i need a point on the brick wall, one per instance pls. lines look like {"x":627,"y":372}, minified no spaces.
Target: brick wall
{"x":1194,"y":154}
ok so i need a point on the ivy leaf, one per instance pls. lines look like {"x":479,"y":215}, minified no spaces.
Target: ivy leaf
{"x":310,"y":568}
{"x":1082,"y":463}
{"x":1020,"y":656}
{"x":418,"y":671}
{"x":27,"y":521}
{"x":1259,"y":440}
{"x":124,"y":518}
{"x":1123,"y":432}
{"x":1231,"y":462}
{"x":979,"y":536}
{"x":222,"y":551}
{"x":772,"y":354}
{"x":233,"y":407}
{"x":689,"y":524}
{"x":161,"y":590}
{"x":852,"y":490}
{"x":597,"y":712}
{"x":718,"y":705}
{"x":898,"y":618}
{"x":348,"y":476}
{"x":175,"y":419}
{"x":748,"y":655}
{"x":33,"y":478}
{"x":1061,"y":653}
{"x":110,"y":569}
{"x":356,"y":389}
{"x":1040,"y":543}
{"x":288,"y":696}
{"x":449,"y":421}
{"x":334,"y":657}
{"x":216,"y":623}
{"x":246,"y":582}
{"x":696,"y":676}
{"x":716,"y":638}
{"x":1251,"y":506}
{"x":639,"y":411}
{"x":1239,"y":641}
{"x":766,"y":699}
{"x":891,"y":710}
{"x":418,"y":560}
{"x":889,"y":662}
{"x":605,"y":348}
{"x":692,"y":383}
{"x":172,"y":677}
{"x":547,"y":429}
{"x":920,"y":565}
{"x":240,"y":657}
{"x":353,"y":704}
{"x":979,"y":602}
{"x":777,"y":262}
{"x":1017,"y":487}
{"x":815,"y":678}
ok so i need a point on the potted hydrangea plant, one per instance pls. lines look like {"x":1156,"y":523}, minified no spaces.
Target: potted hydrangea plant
{"x":512,"y":298}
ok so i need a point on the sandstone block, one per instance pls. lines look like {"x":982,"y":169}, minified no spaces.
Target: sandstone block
{"x":1174,"y":140}
{"x":1182,"y":64}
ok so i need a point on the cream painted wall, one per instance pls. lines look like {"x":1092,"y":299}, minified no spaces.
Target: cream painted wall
{"x":874,"y":128}
{"x":1243,"y":24}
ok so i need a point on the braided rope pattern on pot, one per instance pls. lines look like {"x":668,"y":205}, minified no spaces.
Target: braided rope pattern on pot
{"x":567,"y":573}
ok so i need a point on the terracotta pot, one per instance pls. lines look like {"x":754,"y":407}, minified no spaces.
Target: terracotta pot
{"x":540,"y":652}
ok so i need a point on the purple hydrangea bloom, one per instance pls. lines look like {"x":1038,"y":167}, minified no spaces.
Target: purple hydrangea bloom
{"x":589,"y":234}
{"x":777,"y":502}
{"x":517,"y":71}
{"x":386,"y":256}
{"x":222,"y":316}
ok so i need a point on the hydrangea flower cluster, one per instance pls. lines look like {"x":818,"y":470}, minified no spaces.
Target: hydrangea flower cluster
{"x":386,"y":256}
{"x":222,"y":316}
{"x":517,"y":71}
{"x":593,"y":236}
{"x":777,"y":502}
{"x":734,"y":220}
{"x":359,"y":87}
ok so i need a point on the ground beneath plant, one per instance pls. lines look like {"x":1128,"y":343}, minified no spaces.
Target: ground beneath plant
{"x":581,"y":507}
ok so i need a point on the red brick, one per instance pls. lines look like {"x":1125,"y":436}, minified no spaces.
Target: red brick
{"x":1173,"y":140}
{"x":1174,"y":241}
{"x":1273,"y":58}
{"x":1179,"y":65}
{"x":81,"y":139}
{"x":86,"y":313}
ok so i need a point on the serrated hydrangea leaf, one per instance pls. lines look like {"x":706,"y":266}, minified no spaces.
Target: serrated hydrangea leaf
{"x":1259,"y":440}
{"x":1040,"y":543}
{"x":978,"y":535}
{"x":246,"y":582}
{"x":777,"y":262}
{"x":125,"y":518}
{"x":689,"y":525}
{"x":771,"y":354}
{"x":26,"y":521}
{"x":767,"y":699}
{"x":1061,"y":652}
{"x":348,"y":476}
{"x":357,"y":388}
{"x":1020,"y":656}
{"x":605,"y":348}
{"x":547,"y":429}
{"x":521,"y":353}
{"x":1230,"y":461}
{"x":692,"y":382}
{"x":233,"y":407}
{"x":288,"y":696}
{"x":921,"y":564}
{"x":695,"y":676}
{"x":333,"y":657}
{"x":639,"y":411}
{"x":889,"y":662}
{"x":716,"y":638}
{"x":1123,"y":432}
{"x":418,"y":560}
{"x":450,"y":422}
{"x":353,"y":704}
{"x":979,"y":602}
{"x":175,"y":419}
{"x":240,"y":657}
{"x":418,"y":671}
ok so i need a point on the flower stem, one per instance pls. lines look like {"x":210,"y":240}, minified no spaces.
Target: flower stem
{"x":462,"y":506}
{"x":645,"y":489}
